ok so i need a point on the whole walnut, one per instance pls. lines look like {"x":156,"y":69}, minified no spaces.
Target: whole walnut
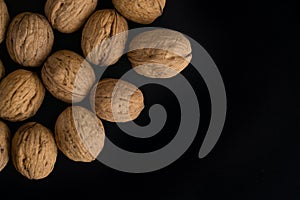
{"x":2,"y":70}
{"x":4,"y":20}
{"x":159,"y":53}
{"x":68,"y":16}
{"x":4,"y":145}
{"x":34,"y":151}
{"x":115,"y":100}
{"x":140,"y":11}
{"x":79,"y":134}
{"x":104,"y":37}
{"x":68,"y":76}
{"x":21,"y":95}
{"x":29,"y":39}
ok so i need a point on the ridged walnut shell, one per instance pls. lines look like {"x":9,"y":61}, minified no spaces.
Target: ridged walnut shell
{"x":159,"y":53}
{"x":115,"y":100}
{"x":34,"y":151}
{"x":104,"y":37}
{"x":29,"y":39}
{"x":4,"y":145}
{"x":4,"y":20}
{"x":68,"y":16}
{"x":79,"y":134}
{"x":67,"y":76}
{"x":140,"y":11}
{"x":2,"y":70}
{"x":21,"y":95}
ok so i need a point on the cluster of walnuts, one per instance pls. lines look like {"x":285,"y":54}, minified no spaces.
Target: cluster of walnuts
{"x":79,"y":133}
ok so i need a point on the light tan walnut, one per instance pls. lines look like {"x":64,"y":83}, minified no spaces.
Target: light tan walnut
{"x":2,"y":70}
{"x":4,"y":145}
{"x":4,"y":20}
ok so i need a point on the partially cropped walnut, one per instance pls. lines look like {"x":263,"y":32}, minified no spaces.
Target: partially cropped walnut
{"x":4,"y":145}
{"x":4,"y":20}
{"x":2,"y":70}
{"x":104,"y":37}
{"x":29,"y":39}
{"x":21,"y":95}
{"x":67,"y":16}
{"x":68,"y":76}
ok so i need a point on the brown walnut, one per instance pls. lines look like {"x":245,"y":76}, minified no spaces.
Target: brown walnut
{"x":4,"y":20}
{"x":4,"y":145}
{"x":2,"y":70}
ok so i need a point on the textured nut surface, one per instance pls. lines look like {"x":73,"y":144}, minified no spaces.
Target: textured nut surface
{"x":115,"y":100}
{"x":104,"y":37}
{"x":67,"y":16}
{"x":67,"y":76}
{"x":29,"y":39}
{"x":79,"y":134}
{"x":159,"y":53}
{"x":140,"y":11}
{"x":4,"y":145}
{"x":34,"y":151}
{"x":4,"y":20}
{"x":2,"y":70}
{"x":21,"y":95}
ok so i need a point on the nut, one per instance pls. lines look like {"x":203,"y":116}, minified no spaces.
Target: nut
{"x":115,"y":100}
{"x":29,"y":39}
{"x":140,"y":11}
{"x":104,"y":37}
{"x":4,"y":20}
{"x":159,"y":53}
{"x":67,"y":16}
{"x":21,"y":95}
{"x":2,"y":70}
{"x":34,"y":151}
{"x":4,"y":145}
{"x":79,"y":134}
{"x":68,"y":76}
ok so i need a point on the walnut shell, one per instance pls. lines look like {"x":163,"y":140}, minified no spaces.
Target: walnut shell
{"x":79,"y":134}
{"x":104,"y":37}
{"x":140,"y":11}
{"x":2,"y":70}
{"x":67,"y":76}
{"x":21,"y":95}
{"x":159,"y":53}
{"x":68,"y":16}
{"x":29,"y":39}
{"x":115,"y":100}
{"x":34,"y":151}
{"x":4,"y":145}
{"x":4,"y":20}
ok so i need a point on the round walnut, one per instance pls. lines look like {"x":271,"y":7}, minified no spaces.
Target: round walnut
{"x":79,"y":134}
{"x":4,"y":20}
{"x":29,"y":39}
{"x":21,"y":95}
{"x":2,"y":70}
{"x":34,"y":151}
{"x":68,"y":16}
{"x":115,"y":100}
{"x":4,"y":145}
{"x":140,"y":11}
{"x":104,"y":37}
{"x":68,"y":76}
{"x":159,"y":53}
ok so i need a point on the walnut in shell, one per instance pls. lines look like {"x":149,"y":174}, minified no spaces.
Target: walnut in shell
{"x":34,"y":151}
{"x":68,"y":76}
{"x":21,"y":95}
{"x":79,"y":134}
{"x":115,"y":100}
{"x":159,"y":53}
{"x":4,"y":20}
{"x":29,"y":39}
{"x":140,"y":11}
{"x":4,"y":145}
{"x":2,"y":70}
{"x":104,"y":37}
{"x":68,"y":16}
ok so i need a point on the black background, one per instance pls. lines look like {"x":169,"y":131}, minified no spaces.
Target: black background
{"x":257,"y":156}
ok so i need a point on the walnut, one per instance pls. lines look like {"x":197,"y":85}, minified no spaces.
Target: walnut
{"x":29,"y":39}
{"x":34,"y":151}
{"x":4,"y":20}
{"x":2,"y":70}
{"x":115,"y":100}
{"x":79,"y":134}
{"x":68,"y":16}
{"x":4,"y":145}
{"x":68,"y":76}
{"x":104,"y":37}
{"x":159,"y":53}
{"x":21,"y":95}
{"x":140,"y":11}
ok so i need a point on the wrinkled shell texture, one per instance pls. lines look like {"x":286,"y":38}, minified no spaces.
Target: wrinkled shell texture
{"x":159,"y":53}
{"x":4,"y":20}
{"x":68,"y":16}
{"x":115,"y":100}
{"x":34,"y":151}
{"x":140,"y":11}
{"x":4,"y":145}
{"x":21,"y":95}
{"x":67,"y":76}
{"x":2,"y":70}
{"x":29,"y":39}
{"x":104,"y":37}
{"x":79,"y":134}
